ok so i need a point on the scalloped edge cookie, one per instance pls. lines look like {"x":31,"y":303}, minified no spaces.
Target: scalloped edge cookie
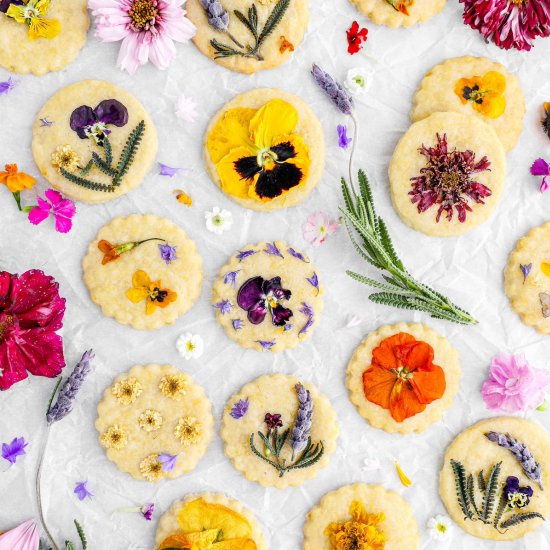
{"x":382,"y":13}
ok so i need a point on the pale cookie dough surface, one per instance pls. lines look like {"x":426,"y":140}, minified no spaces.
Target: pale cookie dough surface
{"x":308,"y":127}
{"x":108,"y":283}
{"x":436,"y":94}
{"x":464,"y":132}
{"x":445,"y":356}
{"x":292,"y":26}
{"x":477,"y":453}
{"x":399,"y":526}
{"x":58,"y":109}
{"x":19,"y":54}
{"x":382,"y":13}
{"x":524,"y":296}
{"x":294,"y":274}
{"x":141,"y":443}
{"x":168,"y":523}
{"x":275,"y":394}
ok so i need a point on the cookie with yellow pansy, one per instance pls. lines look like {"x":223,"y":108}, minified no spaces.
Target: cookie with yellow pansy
{"x":399,"y":13}
{"x":474,"y":86}
{"x":265,"y":149}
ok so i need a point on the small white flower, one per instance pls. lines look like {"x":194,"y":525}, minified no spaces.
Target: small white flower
{"x":439,"y":527}
{"x":186,"y":108}
{"x":190,"y":346}
{"x":218,"y":221}
{"x":359,"y":80}
{"x":370,"y":465}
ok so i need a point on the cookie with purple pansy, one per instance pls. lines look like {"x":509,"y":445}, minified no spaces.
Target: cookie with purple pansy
{"x":268,"y":296}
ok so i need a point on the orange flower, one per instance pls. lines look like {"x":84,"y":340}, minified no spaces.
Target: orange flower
{"x":150,"y":291}
{"x":402,"y":377}
{"x":14,"y":180}
{"x":112,"y":252}
{"x":183,"y":197}
{"x":286,"y":45}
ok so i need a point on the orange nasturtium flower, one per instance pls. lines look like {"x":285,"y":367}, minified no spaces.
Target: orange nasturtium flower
{"x":14,"y":180}
{"x":401,"y":5}
{"x":402,"y":377}
{"x":485,"y":93}
{"x":286,"y":45}
{"x":112,"y":252}
{"x":151,"y":291}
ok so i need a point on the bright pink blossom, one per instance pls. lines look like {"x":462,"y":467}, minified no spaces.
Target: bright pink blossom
{"x":318,"y":227}
{"x":541,"y":168}
{"x":62,"y":210}
{"x":24,"y":537}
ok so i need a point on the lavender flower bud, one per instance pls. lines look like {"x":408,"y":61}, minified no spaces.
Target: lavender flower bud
{"x":335,"y":91}
{"x":218,"y":18}
{"x":302,"y":426}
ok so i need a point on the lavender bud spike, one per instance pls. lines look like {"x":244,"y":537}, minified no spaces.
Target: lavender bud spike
{"x":218,"y":18}
{"x":335,"y":91}
{"x":302,"y":426}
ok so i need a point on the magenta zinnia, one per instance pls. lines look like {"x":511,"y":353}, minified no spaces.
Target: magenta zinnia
{"x":509,"y":23}
{"x":447,"y":180}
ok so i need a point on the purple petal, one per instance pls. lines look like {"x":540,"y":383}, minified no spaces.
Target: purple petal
{"x":280,"y":315}
{"x":112,"y":111}
{"x":231,"y":278}
{"x":237,"y":324}
{"x":45,"y":122}
{"x":167,"y":253}
{"x":168,"y":461}
{"x":265,"y":344}
{"x":168,"y":171}
{"x":224,"y":306}
{"x":307,"y":326}
{"x":147,"y":511}
{"x":274,"y":288}
{"x":250,"y":293}
{"x":343,"y":139}
{"x":10,"y":451}
{"x":240,"y":408}
{"x":306,"y":309}
{"x":297,"y":255}
{"x":313,"y":280}
{"x":525,"y":269}
{"x":271,"y":248}
{"x":81,"y":490}
{"x":243,"y":254}
{"x":82,"y":117}
{"x":7,"y":86}
{"x":540,"y":168}
{"x":257,"y":313}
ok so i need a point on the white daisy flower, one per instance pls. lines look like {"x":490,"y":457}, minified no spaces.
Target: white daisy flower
{"x":218,"y":221}
{"x":186,"y":108}
{"x":439,"y":527}
{"x":190,"y":346}
{"x":359,"y":80}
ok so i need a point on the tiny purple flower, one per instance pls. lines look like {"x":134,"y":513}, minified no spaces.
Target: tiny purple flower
{"x":45,"y":122}
{"x":313,"y":281}
{"x":10,"y":451}
{"x":307,"y":310}
{"x":231,"y":278}
{"x":243,"y":254}
{"x":147,"y":510}
{"x":525,"y":269}
{"x":168,"y":171}
{"x":168,"y":461}
{"x":265,"y":344}
{"x":541,"y":168}
{"x":224,"y":306}
{"x":240,"y":408}
{"x":7,"y":86}
{"x":168,"y":253}
{"x":343,"y":139}
{"x":307,"y":326}
{"x":237,"y":324}
{"x":287,"y":327}
{"x":273,"y":250}
{"x":298,"y":255}
{"x":81,"y":490}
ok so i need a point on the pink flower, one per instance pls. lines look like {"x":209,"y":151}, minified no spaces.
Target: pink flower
{"x":24,"y":537}
{"x":541,"y":168}
{"x":147,"y":28}
{"x":513,"y":385}
{"x":318,"y":227}
{"x":62,"y":209}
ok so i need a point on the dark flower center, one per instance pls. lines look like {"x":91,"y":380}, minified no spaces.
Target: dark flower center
{"x":158,"y":295}
{"x":473,"y":94}
{"x":143,"y":14}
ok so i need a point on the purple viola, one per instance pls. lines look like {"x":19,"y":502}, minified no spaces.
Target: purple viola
{"x":92,"y":123}
{"x":516,"y":496}
{"x":5,"y":4}
{"x":258,"y":296}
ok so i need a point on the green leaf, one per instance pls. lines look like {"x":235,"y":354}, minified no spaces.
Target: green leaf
{"x":108,"y":151}
{"x":280,"y":441}
{"x":261,"y":455}
{"x":470,"y":486}
{"x":246,"y":22}
{"x":516,"y":519}
{"x":502,"y":503}
{"x":81,"y":535}
{"x":267,"y":443}
{"x":223,"y":50}
{"x":103,"y":166}
{"x":273,"y":20}
{"x":490,"y":493}
{"x":129,"y":152}
{"x":481,"y":481}
{"x":370,"y":282}
{"x":86,"y":170}
{"x":69,"y":545}
{"x":88,"y":184}
{"x":461,"y":488}
{"x":253,"y":18}
{"x":394,"y":300}
{"x":388,"y":245}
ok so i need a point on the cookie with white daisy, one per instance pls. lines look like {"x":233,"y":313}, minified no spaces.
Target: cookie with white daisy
{"x":143,"y":271}
{"x":154,"y":422}
{"x":399,"y":13}
{"x":268,"y":297}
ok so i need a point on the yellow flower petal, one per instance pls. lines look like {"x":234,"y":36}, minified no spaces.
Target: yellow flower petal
{"x":545,"y":268}
{"x":231,"y":181}
{"x":141,"y":279}
{"x":402,"y":477}
{"x":274,"y":119}
{"x":40,"y":27}
{"x":136,"y":295}
{"x":16,"y":12}
{"x":494,"y":82}
{"x":42,"y":6}
{"x":493,"y":105}
{"x":150,"y":307}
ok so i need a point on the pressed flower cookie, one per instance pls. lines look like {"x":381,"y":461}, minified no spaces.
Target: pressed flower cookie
{"x":65,"y":24}
{"x":268,"y":297}
{"x":255,"y":425}
{"x":447,"y":174}
{"x":226,"y":46}
{"x":143,"y":271}
{"x":527,"y":278}
{"x":154,"y":422}
{"x":265,"y":149}
{"x":93,"y":141}
{"x":346,"y":513}
{"x":208,"y":517}
{"x":411,"y":358}
{"x":474,"y":86}
{"x":504,"y":465}
{"x":399,"y":13}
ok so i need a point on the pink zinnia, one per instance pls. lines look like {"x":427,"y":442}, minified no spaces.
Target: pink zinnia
{"x":147,"y":28}
{"x":513,"y":385}
{"x":318,"y":227}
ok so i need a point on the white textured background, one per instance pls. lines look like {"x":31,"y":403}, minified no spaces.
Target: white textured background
{"x":468,"y":268}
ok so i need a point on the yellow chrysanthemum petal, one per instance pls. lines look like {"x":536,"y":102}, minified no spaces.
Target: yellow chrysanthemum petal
{"x":494,"y":81}
{"x":141,"y":279}
{"x":231,"y":181}
{"x":40,"y":27}
{"x":136,"y":295}
{"x":545,"y":268}
{"x":274,"y":119}
{"x":402,"y":476}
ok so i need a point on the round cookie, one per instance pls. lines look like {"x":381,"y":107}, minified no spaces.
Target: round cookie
{"x":110,"y":281}
{"x":392,"y":517}
{"x":56,"y":145}
{"x":527,"y":278}
{"x":20,"y":54}
{"x":288,"y":130}
{"x":433,"y":166}
{"x":268,"y":297}
{"x":270,"y":405}
{"x":387,"y":12}
{"x":472,"y":452}
{"x":452,"y":86}
{"x":444,"y":356}
{"x":151,"y":411}
{"x":200,"y":513}
{"x":275,"y":49}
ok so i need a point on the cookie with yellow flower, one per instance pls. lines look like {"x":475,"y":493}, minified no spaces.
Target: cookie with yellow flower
{"x":399,"y":13}
{"x":403,"y":377}
{"x":474,"y":86}
{"x":39,"y":36}
{"x":154,"y":422}
{"x":209,"y":521}
{"x":361,"y":516}
{"x":94,"y":141}
{"x":143,"y":271}
{"x":265,"y":149}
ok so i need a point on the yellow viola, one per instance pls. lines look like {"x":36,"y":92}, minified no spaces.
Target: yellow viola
{"x":256,"y":152}
{"x":151,"y":291}
{"x":485,"y":93}
{"x":32,"y":13}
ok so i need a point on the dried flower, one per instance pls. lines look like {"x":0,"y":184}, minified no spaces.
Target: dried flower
{"x":146,"y":510}
{"x":168,"y":171}
{"x":7,"y":86}
{"x":168,"y":461}
{"x":525,"y":270}
{"x":266,"y":344}
{"x":62,"y":210}
{"x":273,"y":421}
{"x":302,"y":426}
{"x":81,"y":490}
{"x":335,"y":91}
{"x":402,"y":476}
{"x":313,"y":281}
{"x":45,"y":123}
{"x":174,"y":386}
{"x":218,"y":221}
{"x":285,"y":45}
{"x":516,"y":496}
{"x":218,"y":18}
{"x":271,"y":249}
{"x":115,"y":437}
{"x":186,"y":109}
{"x":151,"y":468}
{"x":188,"y":431}
{"x":112,"y":252}
{"x":150,"y":420}
{"x":231,"y":278}
{"x":143,"y":288}
{"x":190,"y":346}
{"x":237,"y":324}
{"x":359,"y":80}
{"x":183,"y":197}
{"x":243,"y":254}
{"x":167,"y":253}
{"x":23,"y":537}
{"x":240,"y":408}
{"x":318,"y":227}
{"x":541,"y":168}
{"x":298,"y":255}
{"x":546,"y":119}
{"x":343,"y":139}
{"x":10,"y":451}
{"x":14,"y":180}
{"x":127,"y":390}
{"x":224,"y":306}
{"x":439,"y":527}
{"x":356,"y":36}
{"x":65,"y":157}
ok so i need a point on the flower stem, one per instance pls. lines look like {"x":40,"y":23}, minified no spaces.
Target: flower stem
{"x":147,"y":240}
{"x":352,"y":152}
{"x":17,"y":197}
{"x":234,"y":39}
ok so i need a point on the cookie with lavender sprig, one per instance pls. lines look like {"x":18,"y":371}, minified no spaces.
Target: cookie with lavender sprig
{"x":279,"y":431}
{"x":399,"y":13}
{"x":447,"y":174}
{"x":495,"y":478}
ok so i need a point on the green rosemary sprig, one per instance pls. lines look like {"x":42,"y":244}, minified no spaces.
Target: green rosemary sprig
{"x":81,"y":535}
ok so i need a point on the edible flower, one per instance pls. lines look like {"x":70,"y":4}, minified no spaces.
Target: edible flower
{"x":65,"y":157}
{"x":186,"y":109}
{"x":525,"y":270}
{"x":32,"y":13}
{"x":401,"y":5}
{"x":541,"y":168}
{"x":190,"y":346}
{"x":16,"y":181}
{"x":273,"y":421}
{"x":167,"y":253}
{"x":81,"y":490}
{"x":218,"y":220}
{"x":285,"y":45}
{"x":92,"y":123}
{"x":146,"y":510}
{"x":7,"y":85}
{"x":62,"y":210}
{"x":112,"y":252}
{"x":359,"y":80}
{"x":318,"y":227}
{"x":403,"y":478}
{"x":150,"y":291}
{"x":343,"y":139}
{"x":168,"y":461}
{"x":24,"y":537}
{"x":439,"y":527}
{"x":10,"y":451}
{"x":516,"y":496}
{"x":183,"y":198}
{"x":240,"y":408}
{"x":484,"y":93}
{"x":356,"y":37}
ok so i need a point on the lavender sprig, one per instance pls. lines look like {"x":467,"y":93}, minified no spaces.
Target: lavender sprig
{"x":335,"y":91}
{"x":218,"y":18}
{"x":302,"y":426}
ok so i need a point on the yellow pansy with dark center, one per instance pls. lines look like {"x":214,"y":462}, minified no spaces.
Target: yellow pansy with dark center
{"x":143,"y":14}
{"x":485,"y":93}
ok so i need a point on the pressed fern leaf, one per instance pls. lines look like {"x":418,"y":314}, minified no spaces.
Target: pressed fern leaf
{"x":461,"y":488}
{"x":520,"y":518}
{"x":470,"y":485}
{"x":108,"y":151}
{"x":500,"y":510}
{"x":103,"y":166}
{"x":129,"y":152}
{"x":490,"y":493}
{"x":481,"y":481}
{"x":88,"y":184}
{"x":81,"y":535}
{"x":273,"y":20}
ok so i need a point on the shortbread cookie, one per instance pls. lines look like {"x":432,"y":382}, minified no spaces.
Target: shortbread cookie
{"x":268,"y":297}
{"x":403,"y":377}
{"x":474,"y":86}
{"x":447,"y":174}
{"x":226,"y":47}
{"x":344,"y":515}
{"x":154,"y":422}
{"x":143,"y":271}
{"x":504,"y":465}
{"x":264,"y":410}
{"x":94,"y":141}
{"x":527,"y":278}
{"x":21,"y":54}
{"x":399,"y":13}
{"x":208,"y":517}
{"x":265,"y":149}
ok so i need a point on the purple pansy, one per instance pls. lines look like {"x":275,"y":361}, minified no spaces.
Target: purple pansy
{"x":240,"y":408}
{"x":168,"y":171}
{"x":266,"y":344}
{"x":92,"y":123}
{"x":298,"y":255}
{"x":343,"y":139}
{"x":224,"y":306}
{"x":147,"y":511}
{"x":231,"y":278}
{"x":44,"y":122}
{"x":5,"y":4}
{"x":168,"y":461}
{"x":313,"y":281}
{"x":10,"y":451}
{"x":541,"y":168}
{"x":525,"y":269}
{"x":167,"y":252}
{"x":243,"y":254}
{"x":7,"y":86}
{"x":237,"y":324}
{"x":516,"y":496}
{"x":271,"y":248}
{"x":81,"y":490}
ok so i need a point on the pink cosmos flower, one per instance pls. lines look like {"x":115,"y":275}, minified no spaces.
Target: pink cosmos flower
{"x":318,"y":227}
{"x":541,"y":168}
{"x":62,"y":210}
{"x":147,"y":28}
{"x":24,"y":537}
{"x":513,"y":385}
